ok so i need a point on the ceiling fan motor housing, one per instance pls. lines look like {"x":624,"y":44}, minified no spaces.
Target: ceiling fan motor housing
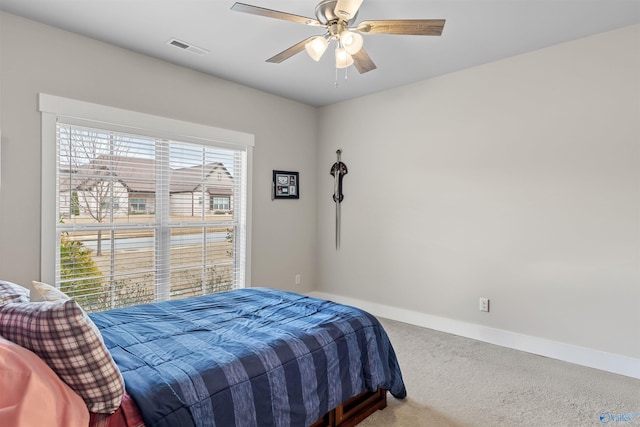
{"x":326,"y":13}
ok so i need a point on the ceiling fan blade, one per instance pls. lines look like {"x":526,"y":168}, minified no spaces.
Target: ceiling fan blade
{"x":270,"y":13}
{"x":347,"y":9}
{"x":418,"y":27}
{"x":288,"y":53}
{"x":363,"y":62}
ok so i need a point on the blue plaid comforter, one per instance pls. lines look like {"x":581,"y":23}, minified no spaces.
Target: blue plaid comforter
{"x":249,"y":357}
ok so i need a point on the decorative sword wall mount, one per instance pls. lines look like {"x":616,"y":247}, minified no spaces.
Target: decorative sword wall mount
{"x":338,"y":171}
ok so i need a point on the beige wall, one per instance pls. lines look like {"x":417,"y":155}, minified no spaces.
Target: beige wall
{"x":517,"y":180}
{"x":37,"y":58}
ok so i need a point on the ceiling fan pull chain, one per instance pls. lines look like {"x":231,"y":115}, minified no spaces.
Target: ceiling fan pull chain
{"x":335,"y":83}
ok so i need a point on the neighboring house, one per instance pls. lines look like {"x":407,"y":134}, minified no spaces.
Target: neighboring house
{"x":214,"y":191}
{"x":86,"y":190}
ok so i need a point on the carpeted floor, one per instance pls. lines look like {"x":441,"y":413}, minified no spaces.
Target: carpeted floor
{"x":455,"y":381}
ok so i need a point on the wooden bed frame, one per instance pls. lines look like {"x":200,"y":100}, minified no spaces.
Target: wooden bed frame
{"x":354,"y":410}
{"x":348,"y":414}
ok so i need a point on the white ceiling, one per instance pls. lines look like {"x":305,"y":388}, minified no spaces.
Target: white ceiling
{"x":476,"y":32}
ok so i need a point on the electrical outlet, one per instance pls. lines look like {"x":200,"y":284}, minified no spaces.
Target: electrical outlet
{"x":484,"y":304}
{"x":298,"y":279}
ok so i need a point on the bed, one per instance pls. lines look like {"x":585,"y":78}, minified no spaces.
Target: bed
{"x":252,"y":356}
{"x":249,"y":357}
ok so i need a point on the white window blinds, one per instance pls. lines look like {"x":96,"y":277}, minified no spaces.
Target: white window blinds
{"x":144,"y":219}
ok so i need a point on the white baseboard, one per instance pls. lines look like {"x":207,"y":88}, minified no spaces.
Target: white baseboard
{"x":604,"y":361}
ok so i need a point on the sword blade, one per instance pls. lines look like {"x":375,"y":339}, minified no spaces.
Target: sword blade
{"x":336,"y":196}
{"x":338,"y":225}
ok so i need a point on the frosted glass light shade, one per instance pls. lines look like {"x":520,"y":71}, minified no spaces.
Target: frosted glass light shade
{"x":316,"y":47}
{"x":352,"y":42}
{"x":343,"y":59}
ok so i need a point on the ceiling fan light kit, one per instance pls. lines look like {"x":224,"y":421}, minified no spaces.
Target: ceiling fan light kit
{"x":316,"y":47}
{"x":343,"y":58}
{"x":335,"y":16}
{"x":352,"y":42}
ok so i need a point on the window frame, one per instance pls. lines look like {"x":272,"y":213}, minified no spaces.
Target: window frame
{"x":71,"y":111}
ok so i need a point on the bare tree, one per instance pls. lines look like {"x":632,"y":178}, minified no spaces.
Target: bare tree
{"x":94,"y":159}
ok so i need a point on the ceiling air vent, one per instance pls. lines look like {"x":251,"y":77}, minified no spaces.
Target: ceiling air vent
{"x":188,"y":47}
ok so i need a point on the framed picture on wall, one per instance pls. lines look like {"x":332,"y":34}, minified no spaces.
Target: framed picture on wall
{"x":285,"y":185}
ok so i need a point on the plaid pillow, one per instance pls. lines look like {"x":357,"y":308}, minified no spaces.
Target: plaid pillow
{"x":10,"y":292}
{"x":64,"y":337}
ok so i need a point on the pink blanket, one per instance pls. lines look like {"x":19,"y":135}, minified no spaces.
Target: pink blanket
{"x":31,"y":394}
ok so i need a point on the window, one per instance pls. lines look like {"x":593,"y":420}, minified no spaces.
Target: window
{"x":220,"y":203}
{"x":137,"y":205}
{"x":108,"y":203}
{"x":171,"y":247}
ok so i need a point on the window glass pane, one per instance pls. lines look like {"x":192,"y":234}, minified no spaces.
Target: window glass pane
{"x":98,"y":173}
{"x":201,"y":260}
{"x":198,"y":173}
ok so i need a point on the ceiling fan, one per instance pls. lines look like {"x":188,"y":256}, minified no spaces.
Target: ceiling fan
{"x":336,"y":16}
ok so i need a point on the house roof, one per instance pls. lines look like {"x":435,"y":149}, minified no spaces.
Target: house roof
{"x":138,"y":175}
{"x":183,"y":179}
